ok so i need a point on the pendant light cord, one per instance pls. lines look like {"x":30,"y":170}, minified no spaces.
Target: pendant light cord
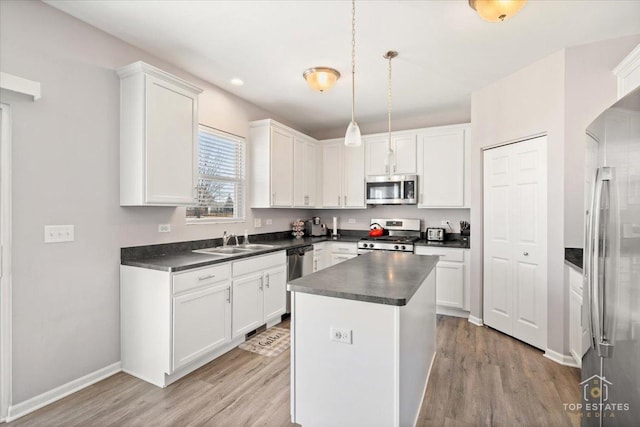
{"x":389,"y":103}
{"x":353,"y":60}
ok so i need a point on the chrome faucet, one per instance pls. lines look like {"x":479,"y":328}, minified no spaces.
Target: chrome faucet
{"x":235,"y":236}
{"x":225,"y":238}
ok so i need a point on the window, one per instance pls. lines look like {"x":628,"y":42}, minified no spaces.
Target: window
{"x":221,"y":180}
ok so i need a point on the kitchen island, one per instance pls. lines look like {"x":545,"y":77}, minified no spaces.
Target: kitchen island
{"x":363,"y":341}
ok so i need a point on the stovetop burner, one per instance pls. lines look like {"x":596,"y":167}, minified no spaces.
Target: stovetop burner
{"x":392,"y":239}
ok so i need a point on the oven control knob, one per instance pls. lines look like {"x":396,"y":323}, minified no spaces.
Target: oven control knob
{"x":403,"y":247}
{"x":396,"y":247}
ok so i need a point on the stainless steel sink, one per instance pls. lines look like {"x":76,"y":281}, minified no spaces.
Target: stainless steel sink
{"x":256,"y":246}
{"x":223,"y":250}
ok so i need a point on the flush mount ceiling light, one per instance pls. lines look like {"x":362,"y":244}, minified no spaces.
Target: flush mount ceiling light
{"x":353,"y":137}
{"x":321,"y":78}
{"x":236,"y":82}
{"x":496,"y":10}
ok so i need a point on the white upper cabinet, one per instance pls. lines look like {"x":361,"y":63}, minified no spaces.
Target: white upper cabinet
{"x":305,"y":156}
{"x":404,"y":148}
{"x":158,"y":137}
{"x":283,"y":166}
{"x":444,"y":167}
{"x":342,"y":175}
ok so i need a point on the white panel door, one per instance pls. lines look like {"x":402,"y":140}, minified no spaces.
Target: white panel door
{"x":281,"y":168}
{"x":201,"y":323}
{"x":171,"y":144}
{"x":515,"y":245}
{"x":248,"y":303}
{"x":275,"y":292}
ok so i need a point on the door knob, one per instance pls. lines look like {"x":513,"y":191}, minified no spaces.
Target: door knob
{"x":525,"y":253}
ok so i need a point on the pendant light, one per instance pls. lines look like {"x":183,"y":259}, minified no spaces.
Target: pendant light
{"x":390,"y":159}
{"x":353,"y":138}
{"x":496,"y":10}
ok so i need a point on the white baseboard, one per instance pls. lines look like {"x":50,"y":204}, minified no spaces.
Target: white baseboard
{"x":449,"y":311}
{"x":23,"y":408}
{"x":563,"y":359}
{"x":475,"y":320}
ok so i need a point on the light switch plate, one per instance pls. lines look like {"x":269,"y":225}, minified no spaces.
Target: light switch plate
{"x":352,"y":221}
{"x":257,"y":222}
{"x":59,"y":233}
{"x":268,"y":221}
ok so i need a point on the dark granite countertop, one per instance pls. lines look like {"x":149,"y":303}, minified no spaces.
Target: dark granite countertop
{"x":381,"y":277}
{"x":573,"y":257}
{"x":180,"y":256}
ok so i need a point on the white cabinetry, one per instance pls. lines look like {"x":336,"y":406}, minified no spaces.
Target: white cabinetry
{"x":173,"y":323}
{"x":404,"y":149}
{"x":452,"y":279}
{"x":259,"y":291}
{"x":321,"y":257}
{"x":628,"y":73}
{"x":444,"y":167}
{"x":283,"y":166}
{"x":343,"y":251}
{"x":305,"y":157}
{"x":158,"y":137}
{"x":578,"y":329}
{"x":342,"y":175}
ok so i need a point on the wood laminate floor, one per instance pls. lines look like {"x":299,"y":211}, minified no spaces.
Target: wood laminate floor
{"x":479,"y":377}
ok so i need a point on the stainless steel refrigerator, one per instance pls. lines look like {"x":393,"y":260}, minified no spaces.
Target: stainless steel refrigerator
{"x":610,"y":385}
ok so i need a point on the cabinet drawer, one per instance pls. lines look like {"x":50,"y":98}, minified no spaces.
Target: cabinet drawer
{"x":446,"y":254}
{"x":344,"y":248}
{"x":195,"y":278}
{"x":258,"y":263}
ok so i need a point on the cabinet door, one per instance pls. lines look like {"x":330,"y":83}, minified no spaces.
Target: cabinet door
{"x":171,"y":143}
{"x":405,"y":152}
{"x":450,"y":284}
{"x":201,"y":323}
{"x":338,"y":258}
{"x":353,"y":186}
{"x":275,"y":292}
{"x":441,"y":169}
{"x":309,"y":175}
{"x":332,"y":175}
{"x":376,"y":155}
{"x":575,"y":326}
{"x":298,"y":172}
{"x":248,"y":303}
{"x":281,"y":168}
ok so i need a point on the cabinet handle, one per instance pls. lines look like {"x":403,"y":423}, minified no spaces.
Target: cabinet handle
{"x":209,"y":276}
{"x":394,"y":168}
{"x":338,"y":200}
{"x":261,"y":283}
{"x":420,"y":198}
{"x":268,"y":280}
{"x":343,"y":249}
{"x":195,"y":193}
{"x":386,"y":168}
{"x":273,"y":199}
{"x":229,"y":294}
{"x":306,"y":200}
{"x":345,"y":200}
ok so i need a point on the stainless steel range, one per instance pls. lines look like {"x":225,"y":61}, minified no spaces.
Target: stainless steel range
{"x":399,"y":235}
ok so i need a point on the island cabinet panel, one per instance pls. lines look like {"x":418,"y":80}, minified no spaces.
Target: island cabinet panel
{"x":377,"y":376}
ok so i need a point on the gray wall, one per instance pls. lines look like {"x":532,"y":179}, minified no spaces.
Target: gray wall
{"x":65,"y":171}
{"x":558,"y":95}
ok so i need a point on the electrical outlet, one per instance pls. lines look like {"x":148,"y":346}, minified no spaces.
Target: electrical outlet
{"x":340,"y":335}
{"x":352,"y":221}
{"x":444,"y":222}
{"x":58,"y":233}
{"x":268,"y":221}
{"x":164,"y":228}
{"x":257,"y":222}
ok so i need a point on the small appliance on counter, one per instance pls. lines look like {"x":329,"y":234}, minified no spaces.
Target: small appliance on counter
{"x":313,"y":228}
{"x":436,"y":234}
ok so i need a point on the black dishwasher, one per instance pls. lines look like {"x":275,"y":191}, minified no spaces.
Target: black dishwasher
{"x":299,"y":263}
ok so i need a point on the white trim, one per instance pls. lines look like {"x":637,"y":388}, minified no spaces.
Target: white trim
{"x":46,"y":398}
{"x":475,"y":320}
{"x":563,"y":359}
{"x":426,"y":384}
{"x":5,"y":260}
{"x":629,"y":67}
{"x":450,"y":311}
{"x":19,"y":85}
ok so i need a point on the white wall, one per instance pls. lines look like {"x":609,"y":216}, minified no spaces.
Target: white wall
{"x":554,"y":96}
{"x":65,"y":171}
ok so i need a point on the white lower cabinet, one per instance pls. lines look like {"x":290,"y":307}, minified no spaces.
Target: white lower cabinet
{"x":201,"y":322}
{"x":174,"y":322}
{"x":320,"y":252}
{"x":578,"y":329}
{"x":452,"y":279}
{"x":343,"y":251}
{"x":259,"y":291}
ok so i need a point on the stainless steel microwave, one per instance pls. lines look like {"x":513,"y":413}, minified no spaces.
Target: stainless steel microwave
{"x":392,"y":189}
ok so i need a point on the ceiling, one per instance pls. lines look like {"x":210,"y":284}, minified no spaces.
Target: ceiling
{"x":446,"y":51}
